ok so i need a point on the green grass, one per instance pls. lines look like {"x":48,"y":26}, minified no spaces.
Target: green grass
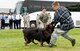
{"x":12,"y":40}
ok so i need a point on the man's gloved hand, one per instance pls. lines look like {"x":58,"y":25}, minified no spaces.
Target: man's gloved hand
{"x":39,"y":23}
{"x":58,"y":26}
{"x":53,"y":23}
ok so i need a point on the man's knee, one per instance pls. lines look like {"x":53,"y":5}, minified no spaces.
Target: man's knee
{"x":54,"y":35}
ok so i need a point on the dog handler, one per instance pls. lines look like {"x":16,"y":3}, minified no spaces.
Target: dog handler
{"x":43,"y":19}
{"x":62,"y":16}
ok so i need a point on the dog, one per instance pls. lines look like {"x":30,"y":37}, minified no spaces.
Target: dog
{"x":42,"y":35}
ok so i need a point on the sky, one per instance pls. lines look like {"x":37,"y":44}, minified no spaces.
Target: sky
{"x":12,"y":3}
{"x":8,"y":3}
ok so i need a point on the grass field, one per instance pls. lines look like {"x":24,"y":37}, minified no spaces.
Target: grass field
{"x":12,"y":40}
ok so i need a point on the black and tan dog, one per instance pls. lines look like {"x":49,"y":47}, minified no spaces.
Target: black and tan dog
{"x":42,"y":35}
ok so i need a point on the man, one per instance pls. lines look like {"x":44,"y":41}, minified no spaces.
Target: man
{"x":10,"y":21}
{"x":43,"y":18}
{"x":6,"y":21}
{"x":14,"y":21}
{"x":62,"y":16}
{"x":2,"y":21}
{"x":26,"y":19}
{"x":18,"y":20}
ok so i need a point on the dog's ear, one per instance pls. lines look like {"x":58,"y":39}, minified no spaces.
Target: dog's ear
{"x":45,"y":33}
{"x":37,"y":30}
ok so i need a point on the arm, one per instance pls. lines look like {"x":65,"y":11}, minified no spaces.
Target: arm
{"x":39,"y":18}
{"x":55,"y":20}
{"x":49,"y":18}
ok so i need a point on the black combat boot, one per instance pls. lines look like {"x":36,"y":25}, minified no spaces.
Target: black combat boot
{"x":73,"y":42}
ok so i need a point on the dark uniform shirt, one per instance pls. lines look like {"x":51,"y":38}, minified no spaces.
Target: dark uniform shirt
{"x":63,"y":16}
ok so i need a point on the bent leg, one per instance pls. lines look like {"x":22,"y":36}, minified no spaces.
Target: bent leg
{"x":53,"y":39}
{"x":72,"y":40}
